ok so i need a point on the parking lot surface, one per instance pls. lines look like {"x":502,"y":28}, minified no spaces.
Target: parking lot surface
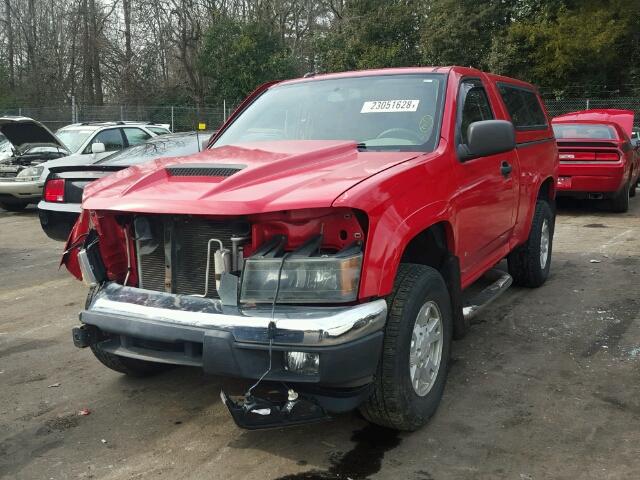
{"x":545,"y":385}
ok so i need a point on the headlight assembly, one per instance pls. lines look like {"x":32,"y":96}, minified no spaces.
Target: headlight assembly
{"x":319,"y":279}
{"x":29,"y":174}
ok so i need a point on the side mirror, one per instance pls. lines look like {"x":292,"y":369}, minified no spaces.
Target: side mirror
{"x":97,"y":147}
{"x":488,"y":137}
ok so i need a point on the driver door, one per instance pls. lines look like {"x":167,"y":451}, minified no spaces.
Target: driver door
{"x":486,"y":199}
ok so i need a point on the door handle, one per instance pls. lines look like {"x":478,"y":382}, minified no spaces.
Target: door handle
{"x":505,"y":169}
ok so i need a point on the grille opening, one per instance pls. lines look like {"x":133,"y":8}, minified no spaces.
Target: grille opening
{"x":187,"y":349}
{"x":185,"y":240}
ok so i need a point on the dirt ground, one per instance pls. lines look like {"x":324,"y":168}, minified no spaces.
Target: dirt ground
{"x":544,"y":386}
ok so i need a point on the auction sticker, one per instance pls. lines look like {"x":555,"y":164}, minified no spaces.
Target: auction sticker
{"x":390,"y":106}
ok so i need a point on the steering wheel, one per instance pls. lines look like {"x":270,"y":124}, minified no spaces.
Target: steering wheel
{"x":411,"y":134}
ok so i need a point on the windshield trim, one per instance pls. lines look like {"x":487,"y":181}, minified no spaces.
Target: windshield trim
{"x":380,"y":148}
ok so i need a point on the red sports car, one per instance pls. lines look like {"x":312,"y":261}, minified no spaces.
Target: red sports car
{"x":597,"y":158}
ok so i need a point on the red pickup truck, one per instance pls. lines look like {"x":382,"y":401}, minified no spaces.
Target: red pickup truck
{"x":322,"y":248}
{"x":597,"y":158}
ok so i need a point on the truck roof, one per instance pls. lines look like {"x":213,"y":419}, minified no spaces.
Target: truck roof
{"x":463,"y":71}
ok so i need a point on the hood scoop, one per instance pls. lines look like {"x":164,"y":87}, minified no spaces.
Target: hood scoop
{"x":203,"y":170}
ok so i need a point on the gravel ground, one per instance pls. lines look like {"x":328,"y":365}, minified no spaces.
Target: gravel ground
{"x":544,"y":386}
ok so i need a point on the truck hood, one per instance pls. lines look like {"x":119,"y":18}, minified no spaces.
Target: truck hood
{"x":23,"y":130}
{"x":622,"y":118}
{"x":241,"y":180}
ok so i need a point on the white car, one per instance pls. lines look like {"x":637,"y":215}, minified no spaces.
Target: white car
{"x":83,"y":143}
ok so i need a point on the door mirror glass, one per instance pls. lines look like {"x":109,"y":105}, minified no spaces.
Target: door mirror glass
{"x":97,"y":147}
{"x":488,"y":137}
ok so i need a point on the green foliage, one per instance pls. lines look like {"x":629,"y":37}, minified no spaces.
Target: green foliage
{"x":372,"y":34}
{"x":237,"y":57}
{"x":460,"y":32}
{"x":590,"y":43}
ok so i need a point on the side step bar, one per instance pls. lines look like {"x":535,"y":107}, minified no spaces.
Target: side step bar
{"x":501,"y":282}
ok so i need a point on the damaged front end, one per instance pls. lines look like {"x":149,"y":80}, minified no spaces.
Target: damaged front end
{"x":270,"y":299}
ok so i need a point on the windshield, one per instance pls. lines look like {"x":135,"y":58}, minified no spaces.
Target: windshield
{"x":386,"y":112}
{"x":158,"y":147}
{"x":584,"y":130}
{"x":73,"y":138}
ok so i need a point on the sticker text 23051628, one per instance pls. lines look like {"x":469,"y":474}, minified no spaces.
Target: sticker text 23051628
{"x":390,"y":106}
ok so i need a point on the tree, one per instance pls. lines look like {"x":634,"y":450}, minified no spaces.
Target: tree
{"x":237,"y":57}
{"x":371,"y":34}
{"x":591,"y":43}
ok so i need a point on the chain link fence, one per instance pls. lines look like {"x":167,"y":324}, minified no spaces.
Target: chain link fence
{"x":566,"y":105}
{"x":179,"y":119}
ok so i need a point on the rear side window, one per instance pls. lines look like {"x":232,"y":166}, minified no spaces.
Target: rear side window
{"x":523,"y":107}
{"x":136,"y":135}
{"x":111,"y":138}
{"x":158,"y":130}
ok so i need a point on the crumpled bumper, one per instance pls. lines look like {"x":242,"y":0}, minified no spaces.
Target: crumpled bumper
{"x":188,"y":330}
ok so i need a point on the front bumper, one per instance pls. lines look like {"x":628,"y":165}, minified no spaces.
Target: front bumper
{"x":23,"y":191}
{"x":234,"y":342}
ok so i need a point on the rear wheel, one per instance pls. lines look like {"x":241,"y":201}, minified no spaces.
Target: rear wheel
{"x":529,"y":264}
{"x":14,"y":206}
{"x":620,"y":202}
{"x":413,"y":368}
{"x":128,"y":366}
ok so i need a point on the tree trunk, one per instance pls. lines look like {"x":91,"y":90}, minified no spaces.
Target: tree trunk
{"x":128,"y":74}
{"x":10,"y":40}
{"x":95,"y":53}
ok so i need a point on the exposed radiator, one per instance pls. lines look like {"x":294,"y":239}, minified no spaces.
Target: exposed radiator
{"x":185,"y":240}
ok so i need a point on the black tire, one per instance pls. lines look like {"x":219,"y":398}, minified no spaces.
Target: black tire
{"x":128,"y":366}
{"x":620,"y":202}
{"x":632,"y":190}
{"x":525,"y":263}
{"x":14,"y":206}
{"x":394,"y":403}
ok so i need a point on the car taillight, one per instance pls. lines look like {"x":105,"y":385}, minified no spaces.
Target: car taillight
{"x":54,"y":190}
{"x":607,"y":157}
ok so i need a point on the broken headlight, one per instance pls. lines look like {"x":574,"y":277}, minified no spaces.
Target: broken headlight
{"x":302,"y":279}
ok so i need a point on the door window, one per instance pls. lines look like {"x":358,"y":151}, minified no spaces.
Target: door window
{"x":475,"y":107}
{"x":136,"y":136}
{"x":111,"y":138}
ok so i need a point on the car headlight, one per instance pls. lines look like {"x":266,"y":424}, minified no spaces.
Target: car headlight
{"x":29,"y":174}
{"x":324,"y":279}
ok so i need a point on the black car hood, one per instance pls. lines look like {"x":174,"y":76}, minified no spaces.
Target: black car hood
{"x":22,"y":130}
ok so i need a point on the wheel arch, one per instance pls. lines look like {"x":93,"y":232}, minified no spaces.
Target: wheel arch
{"x":434,"y":246}
{"x":547,"y":190}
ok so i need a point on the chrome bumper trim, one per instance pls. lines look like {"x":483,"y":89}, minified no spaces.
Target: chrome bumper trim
{"x":59,"y":207}
{"x":295,"y":325}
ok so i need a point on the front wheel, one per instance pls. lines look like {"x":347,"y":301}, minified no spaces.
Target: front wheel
{"x":415,"y":359}
{"x":529,"y":264}
{"x":13,"y":206}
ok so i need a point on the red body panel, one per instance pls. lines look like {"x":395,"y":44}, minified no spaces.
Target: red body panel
{"x":485,"y":214}
{"x":597,"y":165}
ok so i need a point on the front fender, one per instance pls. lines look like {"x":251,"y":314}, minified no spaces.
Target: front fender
{"x":388,"y":240}
{"x":74,"y":243}
{"x":400,"y":203}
